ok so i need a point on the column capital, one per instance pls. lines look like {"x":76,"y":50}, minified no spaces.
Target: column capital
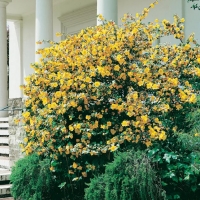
{"x":4,"y":3}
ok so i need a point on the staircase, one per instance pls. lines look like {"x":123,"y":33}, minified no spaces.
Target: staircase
{"x":4,"y":161}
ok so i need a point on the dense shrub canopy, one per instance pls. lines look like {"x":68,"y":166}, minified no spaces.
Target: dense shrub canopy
{"x":106,"y":87}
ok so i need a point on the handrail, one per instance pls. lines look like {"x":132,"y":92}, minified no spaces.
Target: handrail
{"x":5,"y":109}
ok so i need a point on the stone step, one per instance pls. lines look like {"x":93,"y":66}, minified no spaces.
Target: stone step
{"x":4,"y":125}
{"x":4,"y":174}
{"x":4,"y":119}
{"x":4,"y":150}
{"x":4,"y":132}
{"x":7,"y":198}
{"x":4,"y":140}
{"x":5,"y":189}
{"x":4,"y":162}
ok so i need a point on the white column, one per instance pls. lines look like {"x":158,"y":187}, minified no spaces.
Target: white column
{"x":109,"y":10}
{"x":15,"y":59}
{"x":3,"y":57}
{"x":44,"y":23}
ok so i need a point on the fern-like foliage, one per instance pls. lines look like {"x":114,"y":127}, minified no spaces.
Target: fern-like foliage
{"x":32,"y":180}
{"x":129,"y":177}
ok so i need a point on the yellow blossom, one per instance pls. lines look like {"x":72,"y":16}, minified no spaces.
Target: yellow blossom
{"x":125,"y":123}
{"x":74,"y":165}
{"x":116,"y":68}
{"x":113,"y":148}
{"x":97,"y":84}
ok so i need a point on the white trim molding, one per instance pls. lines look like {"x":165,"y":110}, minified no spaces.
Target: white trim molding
{"x":4,"y":3}
{"x":73,"y":22}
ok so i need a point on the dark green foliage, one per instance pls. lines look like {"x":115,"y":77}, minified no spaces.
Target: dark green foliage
{"x":32,"y":180}
{"x":129,"y":177}
{"x":176,"y":168}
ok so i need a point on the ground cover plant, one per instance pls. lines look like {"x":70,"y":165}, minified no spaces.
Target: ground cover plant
{"x":108,"y":89}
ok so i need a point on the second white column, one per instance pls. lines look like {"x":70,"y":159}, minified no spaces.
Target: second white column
{"x":109,"y":10}
{"x":44,"y":23}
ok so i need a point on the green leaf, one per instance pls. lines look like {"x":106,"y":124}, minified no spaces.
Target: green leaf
{"x":175,"y":179}
{"x":62,"y":185}
{"x":187,"y":177}
{"x":164,"y":183}
{"x":176,"y":196}
{"x":167,"y":157}
{"x":193,"y":188}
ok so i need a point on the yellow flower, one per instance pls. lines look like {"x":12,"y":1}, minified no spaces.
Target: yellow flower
{"x":152,"y":5}
{"x":58,"y":94}
{"x":187,"y":47}
{"x":84,"y":174}
{"x":155,"y":86}
{"x":182,"y":95}
{"x":125,"y":123}
{"x":137,"y":15}
{"x":88,"y":117}
{"x":109,"y":123}
{"x":148,"y":143}
{"x":26,"y":114}
{"x":144,"y":118}
{"x":79,"y":168}
{"x":119,"y":58}
{"x":162,"y":136}
{"x":52,"y":169}
{"x":70,"y":172}
{"x":88,"y":80}
{"x":73,"y":104}
{"x":198,"y":60}
{"x":179,"y":106}
{"x":54,"y":105}
{"x":140,"y":83}
{"x":25,"y":139}
{"x":149,"y":85}
{"x":113,"y":131}
{"x":114,"y":106}
{"x":94,"y":52}
{"x":193,"y":99}
{"x":71,"y":128}
{"x":113,"y":148}
{"x":135,"y":30}
{"x":100,"y":16}
{"x":89,"y":135}
{"x":58,"y":34}
{"x":97,"y":84}
{"x":103,"y":126}
{"x":165,"y":59}
{"x":54,"y":84}
{"x":116,"y":68}
{"x":79,"y":108}
{"x":156,"y":120}
{"x":182,"y":20}
{"x":82,"y":86}
{"x":74,"y":165}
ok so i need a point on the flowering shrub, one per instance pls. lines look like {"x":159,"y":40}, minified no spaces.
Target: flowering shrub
{"x":108,"y":87}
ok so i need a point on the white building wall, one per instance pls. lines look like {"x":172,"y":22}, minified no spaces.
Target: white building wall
{"x":28,"y":43}
{"x":192,"y":22}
